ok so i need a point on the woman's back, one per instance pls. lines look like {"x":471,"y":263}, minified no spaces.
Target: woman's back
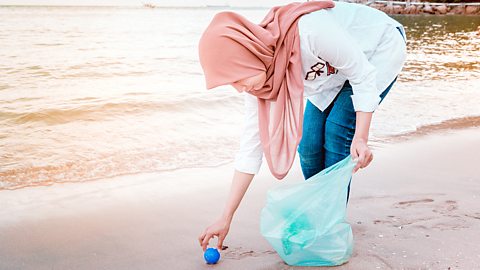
{"x":359,"y":21}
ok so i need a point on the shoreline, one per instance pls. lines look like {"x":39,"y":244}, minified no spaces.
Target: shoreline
{"x":461,"y":123}
{"x":414,"y":207}
{"x":467,"y":122}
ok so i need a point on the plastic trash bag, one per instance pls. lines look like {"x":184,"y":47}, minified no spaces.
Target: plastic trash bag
{"x":305,"y":222}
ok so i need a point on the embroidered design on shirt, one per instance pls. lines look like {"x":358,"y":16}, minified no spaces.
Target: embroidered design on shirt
{"x":318,"y":69}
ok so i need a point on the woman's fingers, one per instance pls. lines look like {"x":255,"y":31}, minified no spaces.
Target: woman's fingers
{"x":221,"y":237}
{"x":357,"y":167}
{"x":364,"y":156}
{"x":206,"y":240}
{"x":369,"y":159}
{"x":360,"y":160}
{"x":201,"y":237}
{"x":353,"y":153}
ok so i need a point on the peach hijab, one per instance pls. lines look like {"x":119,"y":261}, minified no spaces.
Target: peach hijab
{"x":233,"y":48}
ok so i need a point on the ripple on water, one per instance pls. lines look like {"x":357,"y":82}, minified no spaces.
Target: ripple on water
{"x":110,"y":97}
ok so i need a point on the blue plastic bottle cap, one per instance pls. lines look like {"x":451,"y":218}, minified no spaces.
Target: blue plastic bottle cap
{"x":211,"y":255}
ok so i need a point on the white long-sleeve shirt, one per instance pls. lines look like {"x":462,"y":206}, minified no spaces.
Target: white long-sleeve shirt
{"x":348,"y":42}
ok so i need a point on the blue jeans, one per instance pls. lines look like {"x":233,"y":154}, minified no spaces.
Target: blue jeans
{"x":327,"y":135}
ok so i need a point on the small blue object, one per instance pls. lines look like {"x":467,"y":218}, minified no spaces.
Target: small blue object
{"x":211,"y":255}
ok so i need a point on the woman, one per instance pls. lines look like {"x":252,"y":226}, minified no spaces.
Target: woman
{"x":342,"y":57}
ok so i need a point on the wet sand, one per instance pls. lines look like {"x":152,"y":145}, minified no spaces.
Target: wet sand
{"x":415,"y":207}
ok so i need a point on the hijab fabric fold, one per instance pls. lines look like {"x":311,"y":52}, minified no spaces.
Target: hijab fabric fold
{"x":233,"y":48}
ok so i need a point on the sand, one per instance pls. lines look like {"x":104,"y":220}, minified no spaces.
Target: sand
{"x":416,"y":207}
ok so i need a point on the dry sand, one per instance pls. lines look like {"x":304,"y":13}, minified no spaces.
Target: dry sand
{"x":416,"y":207}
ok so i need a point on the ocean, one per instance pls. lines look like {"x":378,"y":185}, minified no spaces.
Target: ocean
{"x":94,"y":92}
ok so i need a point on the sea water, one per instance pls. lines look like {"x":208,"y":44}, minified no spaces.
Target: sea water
{"x":96,"y":92}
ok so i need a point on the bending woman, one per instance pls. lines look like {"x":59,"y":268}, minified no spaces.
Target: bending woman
{"x":342,"y":57}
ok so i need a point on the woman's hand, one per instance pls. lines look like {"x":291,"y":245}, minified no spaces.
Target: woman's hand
{"x":359,"y":150}
{"x":219,"y":228}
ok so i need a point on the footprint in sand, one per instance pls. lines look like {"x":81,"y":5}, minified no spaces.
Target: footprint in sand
{"x":440,"y":207}
{"x":474,"y":215}
{"x":447,"y":207}
{"x":406,"y":204}
{"x":240,"y":253}
{"x":446,"y":215}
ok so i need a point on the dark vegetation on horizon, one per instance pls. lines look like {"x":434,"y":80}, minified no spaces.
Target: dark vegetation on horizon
{"x":452,"y":1}
{"x":443,"y":1}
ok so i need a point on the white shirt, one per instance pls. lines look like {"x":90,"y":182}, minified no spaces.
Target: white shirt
{"x":348,"y":42}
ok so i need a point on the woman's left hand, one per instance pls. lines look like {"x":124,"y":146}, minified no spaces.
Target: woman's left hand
{"x":359,"y":150}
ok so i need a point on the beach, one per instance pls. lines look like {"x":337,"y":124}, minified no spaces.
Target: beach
{"x":113,"y":155}
{"x":414,"y":207}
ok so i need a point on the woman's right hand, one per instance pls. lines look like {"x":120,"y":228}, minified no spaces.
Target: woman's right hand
{"x":219,"y":228}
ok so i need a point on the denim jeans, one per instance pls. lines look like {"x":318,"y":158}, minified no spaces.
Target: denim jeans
{"x":327,"y":135}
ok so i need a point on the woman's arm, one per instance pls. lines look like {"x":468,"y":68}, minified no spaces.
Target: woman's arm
{"x":249,"y":156}
{"x":359,"y":148}
{"x":240,"y":183}
{"x":247,"y":164}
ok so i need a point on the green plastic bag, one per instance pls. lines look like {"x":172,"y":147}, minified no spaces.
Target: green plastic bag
{"x":305,"y":222}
